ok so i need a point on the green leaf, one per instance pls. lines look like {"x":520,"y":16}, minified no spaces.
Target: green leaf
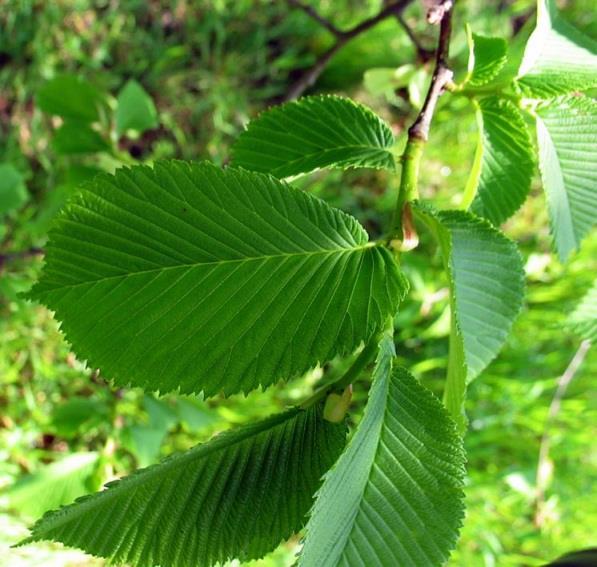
{"x":135,"y":109}
{"x":78,"y":414}
{"x":74,"y":138}
{"x":486,"y":279}
{"x":558,"y":59}
{"x":13,"y":193}
{"x":487,"y":56}
{"x":395,"y":495}
{"x":507,"y":160}
{"x":584,"y":318}
{"x":238,"y":495}
{"x":53,"y":485}
{"x":314,"y":132}
{"x":567,"y":139}
{"x":70,"y":97}
{"x":187,"y":276}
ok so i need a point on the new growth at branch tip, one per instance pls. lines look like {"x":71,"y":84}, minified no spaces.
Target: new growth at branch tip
{"x":403,"y":235}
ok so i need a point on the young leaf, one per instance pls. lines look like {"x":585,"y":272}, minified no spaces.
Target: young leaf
{"x":558,"y":59}
{"x":54,"y":485}
{"x":567,"y":139}
{"x":70,"y":97}
{"x":74,"y":138}
{"x":135,"y":109}
{"x":238,"y":495}
{"x":13,"y":192}
{"x":486,"y":292}
{"x":487,"y":56}
{"x":395,"y":495}
{"x":314,"y":132}
{"x":507,"y":160}
{"x":188,"y":276}
{"x":584,"y":318}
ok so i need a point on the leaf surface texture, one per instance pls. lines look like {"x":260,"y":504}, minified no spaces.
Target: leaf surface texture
{"x":314,"y":132}
{"x":192,"y":277}
{"x":507,"y":160}
{"x":567,"y":139}
{"x":395,"y":495}
{"x":238,"y":495}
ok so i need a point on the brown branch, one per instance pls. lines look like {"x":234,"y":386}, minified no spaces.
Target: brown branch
{"x":402,"y":235}
{"x":442,"y":75}
{"x":309,"y":77}
{"x":7,"y":257}
{"x":543,"y":468}
{"x":313,"y":14}
{"x":423,"y":53}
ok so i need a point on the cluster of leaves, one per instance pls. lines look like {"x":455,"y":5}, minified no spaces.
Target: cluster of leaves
{"x":191,"y":278}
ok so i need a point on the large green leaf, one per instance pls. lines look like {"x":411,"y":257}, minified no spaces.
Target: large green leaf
{"x":584,"y":318}
{"x":238,"y":495}
{"x":507,"y":160}
{"x":188,"y":276}
{"x":558,"y":58}
{"x":54,"y":485}
{"x":314,"y":132}
{"x":135,"y":109}
{"x":395,"y":495}
{"x":486,"y":279}
{"x":567,"y":139}
{"x":70,"y":97}
{"x":487,"y":56}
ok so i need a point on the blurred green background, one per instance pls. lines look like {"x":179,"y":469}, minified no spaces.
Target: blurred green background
{"x":180,"y":79}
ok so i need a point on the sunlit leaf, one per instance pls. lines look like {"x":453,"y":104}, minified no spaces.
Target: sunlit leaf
{"x":187,"y":276}
{"x":314,"y":132}
{"x":239,"y":495}
{"x":395,"y":495}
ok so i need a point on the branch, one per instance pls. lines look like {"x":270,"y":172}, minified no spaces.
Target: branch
{"x":423,"y":53}
{"x":442,"y":75}
{"x":11,"y":256}
{"x":312,"y":13}
{"x":401,"y":235}
{"x":543,"y":468}
{"x":309,"y":77}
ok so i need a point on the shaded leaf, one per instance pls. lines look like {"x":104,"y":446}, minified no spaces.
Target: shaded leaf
{"x":238,"y":495}
{"x":74,"y":138}
{"x":70,"y":97}
{"x":395,"y":495}
{"x":203,"y":279}
{"x":13,"y":193}
{"x":54,"y":485}
{"x":507,"y":160}
{"x":314,"y":132}
{"x":77,"y":414}
{"x":567,"y":139}
{"x":135,"y":109}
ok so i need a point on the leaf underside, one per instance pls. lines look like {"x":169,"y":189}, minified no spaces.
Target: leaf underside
{"x":238,"y":495}
{"x":567,"y":139}
{"x":558,"y":59}
{"x":584,"y":318}
{"x":486,"y":282}
{"x":192,"y":277}
{"x":395,"y":495}
{"x":311,"y":133}
{"x":508,"y":161}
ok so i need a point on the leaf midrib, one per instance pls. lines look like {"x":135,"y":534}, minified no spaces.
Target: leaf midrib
{"x":216,"y":263}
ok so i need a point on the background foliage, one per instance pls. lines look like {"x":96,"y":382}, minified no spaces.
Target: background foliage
{"x":201,"y":69}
